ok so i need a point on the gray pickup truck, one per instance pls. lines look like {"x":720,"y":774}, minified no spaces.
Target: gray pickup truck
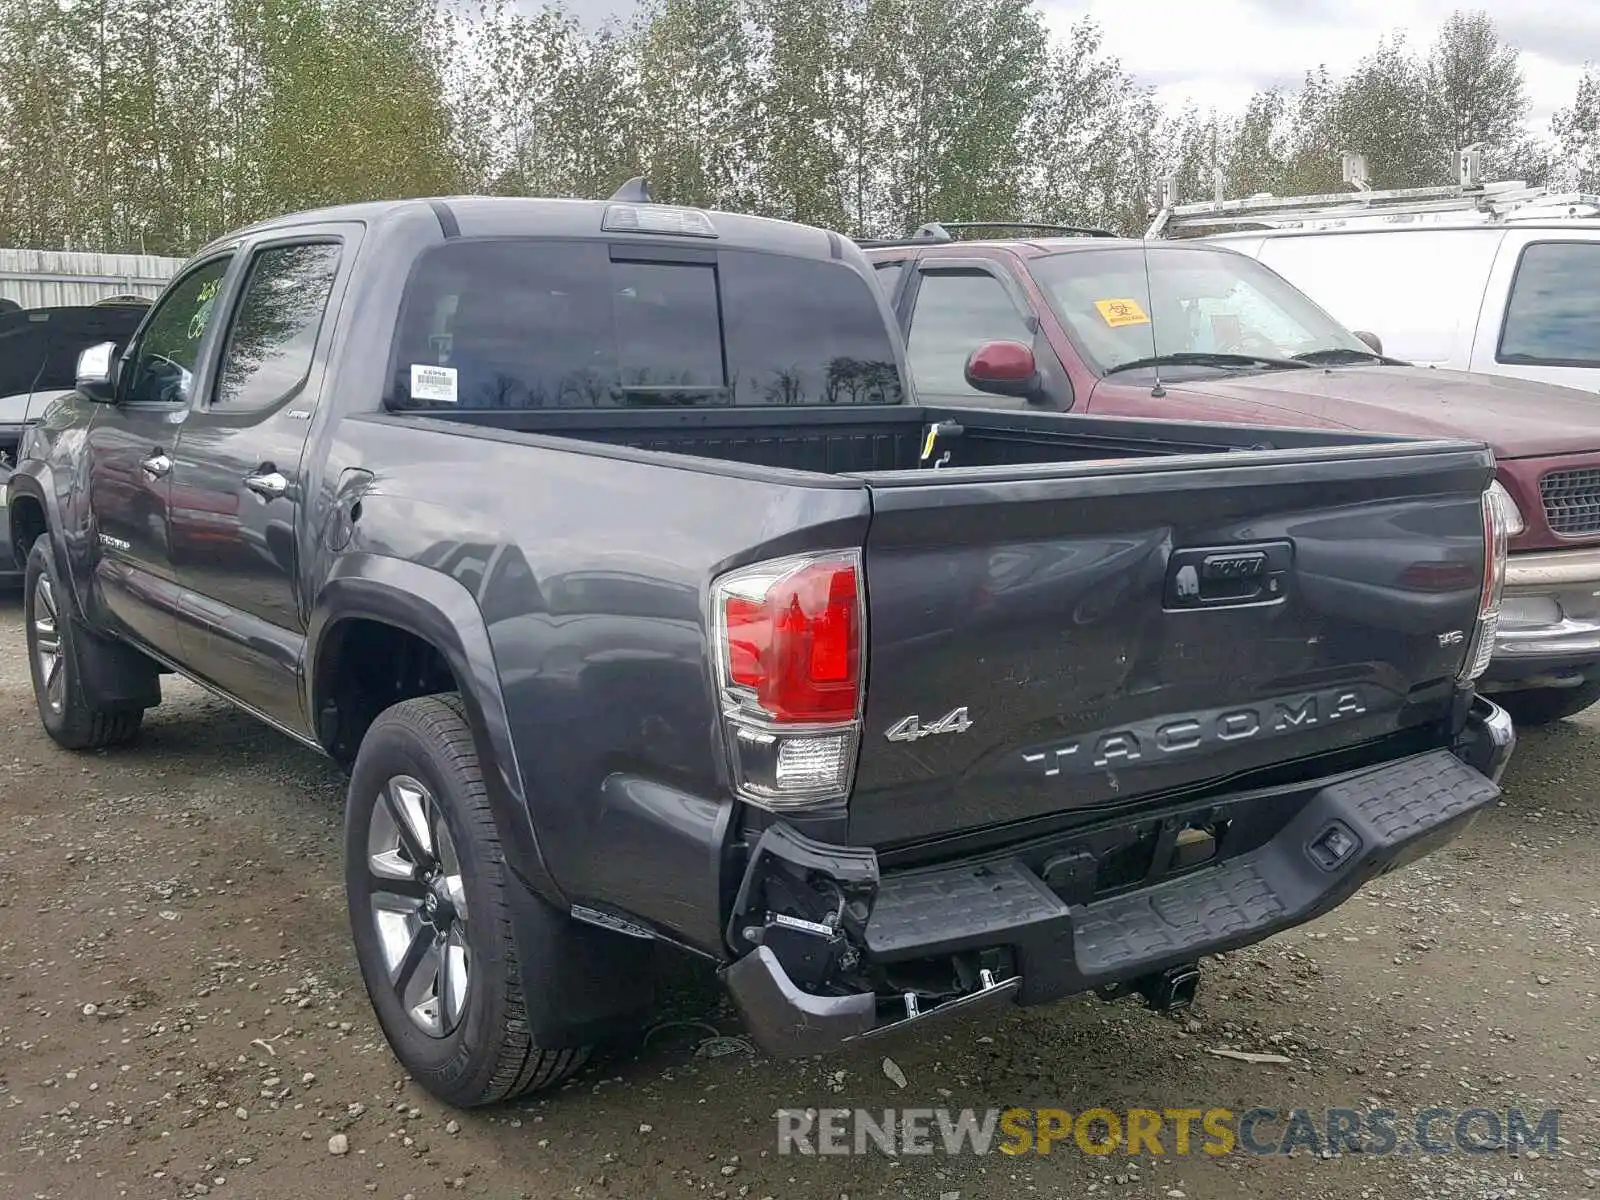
{"x":606,"y":546}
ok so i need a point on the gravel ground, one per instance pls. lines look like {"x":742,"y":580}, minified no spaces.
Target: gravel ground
{"x":182,"y":1015}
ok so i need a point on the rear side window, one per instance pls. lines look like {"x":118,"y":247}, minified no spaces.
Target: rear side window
{"x":530,"y":324}
{"x":1553,"y":315}
{"x":275,"y":332}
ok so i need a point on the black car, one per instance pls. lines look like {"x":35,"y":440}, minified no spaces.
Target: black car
{"x":39,"y":350}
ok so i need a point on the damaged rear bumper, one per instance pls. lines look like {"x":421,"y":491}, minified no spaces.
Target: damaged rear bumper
{"x":1010,"y":937}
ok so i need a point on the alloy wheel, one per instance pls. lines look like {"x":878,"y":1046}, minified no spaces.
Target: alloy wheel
{"x":47,"y":657}
{"x":419,"y":906}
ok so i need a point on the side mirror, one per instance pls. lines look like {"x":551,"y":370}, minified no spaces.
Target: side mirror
{"x":1004,"y":368}
{"x":1371,"y":339}
{"x":97,"y":372}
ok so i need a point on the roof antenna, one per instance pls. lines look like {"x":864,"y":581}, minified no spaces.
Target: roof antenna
{"x":1169,"y":197}
{"x":635,"y":191}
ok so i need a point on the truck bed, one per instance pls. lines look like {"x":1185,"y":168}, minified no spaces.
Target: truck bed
{"x":862,"y":440}
{"x":1050,"y":579}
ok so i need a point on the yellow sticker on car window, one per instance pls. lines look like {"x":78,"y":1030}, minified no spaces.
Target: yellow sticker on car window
{"x":1117,"y":313}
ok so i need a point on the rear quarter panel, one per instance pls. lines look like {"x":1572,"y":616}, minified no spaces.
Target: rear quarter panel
{"x":591,"y":568}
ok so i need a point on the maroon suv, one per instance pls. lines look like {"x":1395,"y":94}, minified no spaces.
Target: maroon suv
{"x":1091,"y":323}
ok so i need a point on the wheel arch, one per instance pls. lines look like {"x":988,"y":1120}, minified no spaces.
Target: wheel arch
{"x":438,"y":612}
{"x":27,"y":523}
{"x":29,"y":513}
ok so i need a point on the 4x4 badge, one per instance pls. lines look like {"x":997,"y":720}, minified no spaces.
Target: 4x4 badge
{"x":911,"y":729}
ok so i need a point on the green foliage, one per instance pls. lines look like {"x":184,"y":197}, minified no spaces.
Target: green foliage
{"x":1577,"y":137}
{"x":1473,"y":89}
{"x":157,"y":124}
{"x":697,"y":101}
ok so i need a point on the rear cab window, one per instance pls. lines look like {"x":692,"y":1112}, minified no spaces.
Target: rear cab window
{"x":535,"y":324}
{"x":1553,"y":312}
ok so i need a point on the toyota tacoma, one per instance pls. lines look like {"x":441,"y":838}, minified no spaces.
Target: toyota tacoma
{"x":607,"y":547}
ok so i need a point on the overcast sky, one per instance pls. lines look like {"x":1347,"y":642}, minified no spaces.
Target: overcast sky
{"x":1219,"y":52}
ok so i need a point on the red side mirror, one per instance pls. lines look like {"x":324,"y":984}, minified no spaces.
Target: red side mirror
{"x":1003,"y":368}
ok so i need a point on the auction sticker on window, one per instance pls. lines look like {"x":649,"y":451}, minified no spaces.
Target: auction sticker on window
{"x":433,"y":383}
{"x":1117,"y":313}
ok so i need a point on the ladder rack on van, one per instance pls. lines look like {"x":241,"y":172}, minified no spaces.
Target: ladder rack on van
{"x":1469,"y":201}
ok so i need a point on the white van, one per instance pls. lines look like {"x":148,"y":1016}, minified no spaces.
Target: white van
{"x":1502,"y":279}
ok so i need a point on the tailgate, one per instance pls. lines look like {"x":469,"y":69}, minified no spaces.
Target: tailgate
{"x":1045,"y":639}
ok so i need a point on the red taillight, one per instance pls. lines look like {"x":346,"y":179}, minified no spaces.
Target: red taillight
{"x":748,"y":634}
{"x":790,"y":665}
{"x":793,"y":641}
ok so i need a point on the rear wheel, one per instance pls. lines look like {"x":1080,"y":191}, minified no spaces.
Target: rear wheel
{"x":1545,"y":706}
{"x":57,"y":650}
{"x":427,"y":886}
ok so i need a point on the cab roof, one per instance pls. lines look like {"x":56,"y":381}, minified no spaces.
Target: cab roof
{"x":519,"y":216}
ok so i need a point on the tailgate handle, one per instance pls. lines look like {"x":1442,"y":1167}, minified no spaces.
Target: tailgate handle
{"x":1229,"y":576}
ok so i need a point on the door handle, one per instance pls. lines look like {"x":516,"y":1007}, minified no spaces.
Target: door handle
{"x":1229,"y":576}
{"x":157,"y":465}
{"x":270,"y":485}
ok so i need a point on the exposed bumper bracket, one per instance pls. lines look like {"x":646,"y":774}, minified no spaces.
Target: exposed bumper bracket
{"x":1486,"y":743}
{"x":789,"y":1023}
{"x":1350,"y":829}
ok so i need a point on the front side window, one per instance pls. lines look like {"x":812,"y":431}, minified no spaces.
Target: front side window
{"x":955,"y":313}
{"x":529,"y":324}
{"x":1124,"y":304}
{"x":271,"y":340}
{"x":1553,"y":315}
{"x":166,"y":354}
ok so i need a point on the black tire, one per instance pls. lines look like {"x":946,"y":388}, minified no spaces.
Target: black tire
{"x":1545,"y":706}
{"x":69,"y":716}
{"x":488,"y":1055}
